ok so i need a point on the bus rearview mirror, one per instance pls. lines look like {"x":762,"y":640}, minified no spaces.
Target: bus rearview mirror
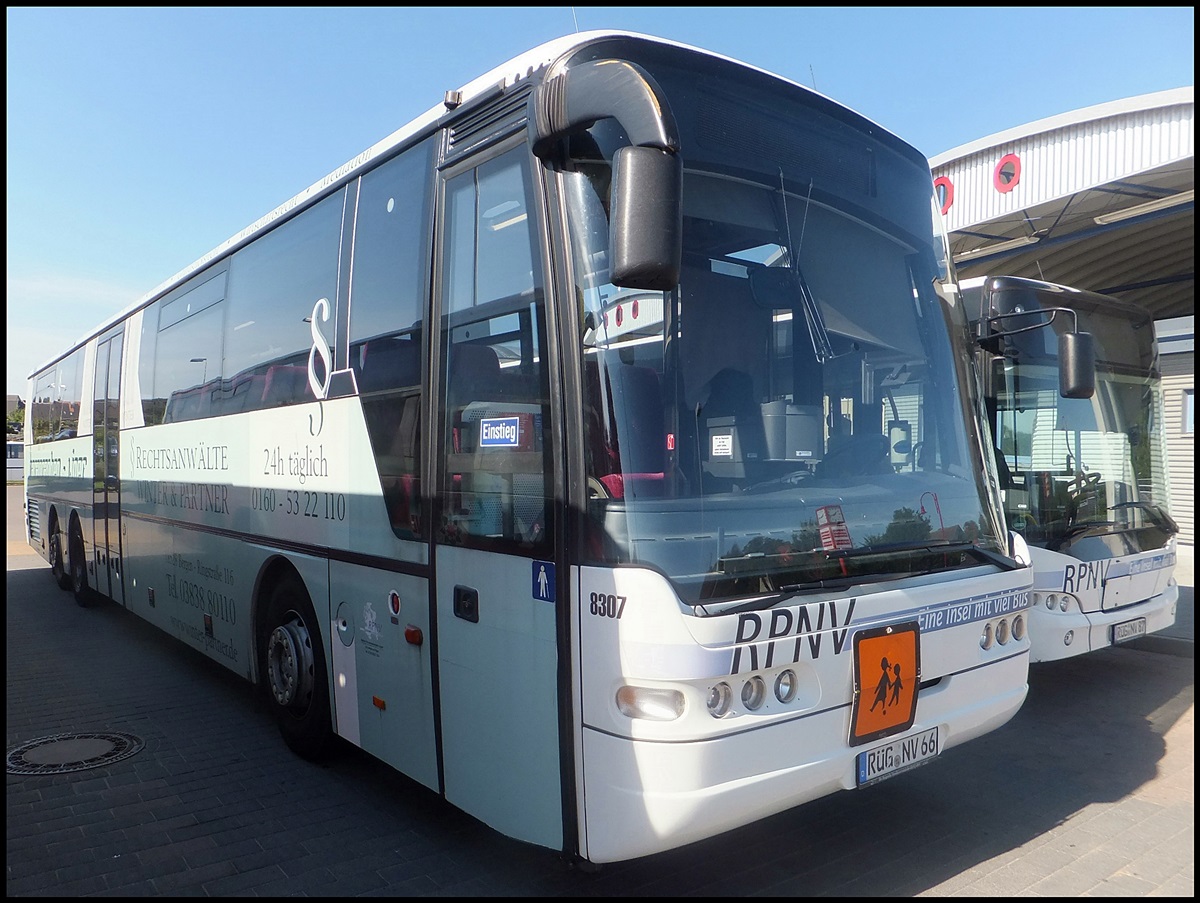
{"x":1076,"y":365}
{"x":646,"y":219}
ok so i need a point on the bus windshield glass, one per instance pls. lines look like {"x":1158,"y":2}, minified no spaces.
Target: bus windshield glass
{"x":1083,"y":470}
{"x":792,"y":418}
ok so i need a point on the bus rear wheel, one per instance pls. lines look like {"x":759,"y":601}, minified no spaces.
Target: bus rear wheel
{"x":293,"y":669}
{"x":77,"y":565}
{"x":58,"y":563}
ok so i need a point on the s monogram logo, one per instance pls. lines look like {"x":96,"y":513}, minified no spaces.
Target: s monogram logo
{"x":320,"y":347}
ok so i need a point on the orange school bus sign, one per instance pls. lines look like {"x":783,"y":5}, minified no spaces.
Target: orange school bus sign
{"x":887,"y":672}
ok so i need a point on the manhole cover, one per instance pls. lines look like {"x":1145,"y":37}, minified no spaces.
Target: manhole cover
{"x":71,"y":752}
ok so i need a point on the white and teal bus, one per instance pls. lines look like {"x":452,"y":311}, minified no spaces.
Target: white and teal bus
{"x":1084,"y":480}
{"x":601,"y":450}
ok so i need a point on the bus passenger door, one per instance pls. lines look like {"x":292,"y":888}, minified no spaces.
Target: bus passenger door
{"x":106,"y":485}
{"x":493,"y":554}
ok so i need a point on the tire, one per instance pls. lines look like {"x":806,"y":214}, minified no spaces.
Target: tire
{"x":58,"y":562}
{"x":293,"y":671}
{"x":77,"y":569}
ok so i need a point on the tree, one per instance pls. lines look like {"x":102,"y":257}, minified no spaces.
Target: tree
{"x":906,"y":526}
{"x":16,"y":419}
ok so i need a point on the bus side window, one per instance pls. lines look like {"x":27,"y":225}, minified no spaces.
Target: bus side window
{"x":389,"y":384}
{"x":495,"y":477}
{"x":389,"y":279}
{"x":474,"y":375}
{"x":246,"y":393}
{"x":286,"y":384}
{"x":476,"y":498}
{"x":495,"y":397}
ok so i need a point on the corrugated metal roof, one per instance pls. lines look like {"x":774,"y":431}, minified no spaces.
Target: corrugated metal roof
{"x":1063,"y":199}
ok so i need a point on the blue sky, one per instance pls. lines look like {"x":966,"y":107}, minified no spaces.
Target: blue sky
{"x":140,"y":139}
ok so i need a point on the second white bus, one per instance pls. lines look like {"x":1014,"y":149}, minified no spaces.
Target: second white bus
{"x":1084,"y":480}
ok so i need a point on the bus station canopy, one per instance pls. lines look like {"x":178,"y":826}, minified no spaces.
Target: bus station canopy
{"x":1101,"y":199}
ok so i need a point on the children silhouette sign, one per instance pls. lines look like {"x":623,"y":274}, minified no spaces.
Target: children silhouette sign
{"x":887,"y":668}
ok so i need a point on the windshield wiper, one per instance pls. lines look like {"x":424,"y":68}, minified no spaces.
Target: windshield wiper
{"x":787,"y":591}
{"x":933,"y":546}
{"x":779,"y":572}
{"x":1075,"y":531}
{"x":1161,"y":517}
{"x":1088,"y":526}
{"x":816,"y":586}
{"x":822,"y":346}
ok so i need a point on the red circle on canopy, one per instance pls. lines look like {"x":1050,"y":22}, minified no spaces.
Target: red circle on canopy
{"x":1007,"y":173}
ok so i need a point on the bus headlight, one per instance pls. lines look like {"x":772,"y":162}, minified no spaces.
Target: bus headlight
{"x":719,"y":698}
{"x":754,"y":691}
{"x":1002,"y":631}
{"x":650,"y":703}
{"x":1051,"y":601}
{"x":786,"y":686}
{"x":1018,"y":628}
{"x":985,"y":641}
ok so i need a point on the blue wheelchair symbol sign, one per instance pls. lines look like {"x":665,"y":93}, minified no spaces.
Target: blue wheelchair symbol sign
{"x":543,"y":581}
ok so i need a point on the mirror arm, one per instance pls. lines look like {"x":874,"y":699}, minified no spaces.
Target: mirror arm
{"x":988,"y":335}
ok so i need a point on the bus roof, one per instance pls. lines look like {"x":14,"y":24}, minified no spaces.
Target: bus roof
{"x":1078,"y":297}
{"x":504,"y":75}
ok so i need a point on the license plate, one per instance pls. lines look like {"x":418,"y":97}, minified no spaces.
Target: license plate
{"x":897,"y":756}
{"x":1128,"y":630}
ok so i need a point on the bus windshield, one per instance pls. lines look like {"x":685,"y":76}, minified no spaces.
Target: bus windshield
{"x":1084,"y":472}
{"x":791,"y":418}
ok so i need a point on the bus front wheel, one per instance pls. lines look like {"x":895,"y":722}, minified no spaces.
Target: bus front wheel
{"x":293,"y":668}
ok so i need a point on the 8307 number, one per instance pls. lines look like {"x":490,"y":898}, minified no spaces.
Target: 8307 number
{"x":607,"y":605}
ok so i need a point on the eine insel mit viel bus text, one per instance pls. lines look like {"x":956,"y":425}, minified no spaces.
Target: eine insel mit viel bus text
{"x":599,"y":450}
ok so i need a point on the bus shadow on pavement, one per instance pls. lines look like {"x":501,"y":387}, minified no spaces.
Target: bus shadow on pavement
{"x":1091,"y":731}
